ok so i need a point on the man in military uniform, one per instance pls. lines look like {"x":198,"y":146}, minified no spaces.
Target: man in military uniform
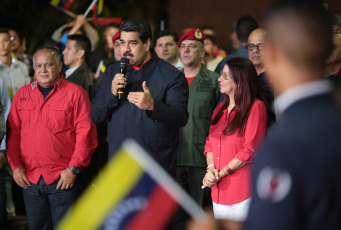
{"x":204,"y":93}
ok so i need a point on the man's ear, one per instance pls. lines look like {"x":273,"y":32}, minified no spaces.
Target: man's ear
{"x":60,"y":66}
{"x":202,"y":53}
{"x":81,"y":54}
{"x":148,"y":43}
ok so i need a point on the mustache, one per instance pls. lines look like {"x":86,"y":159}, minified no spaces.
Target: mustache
{"x":127,"y":53}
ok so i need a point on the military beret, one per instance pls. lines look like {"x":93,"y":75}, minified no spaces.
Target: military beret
{"x":115,"y":37}
{"x":195,"y":34}
{"x":337,"y":19}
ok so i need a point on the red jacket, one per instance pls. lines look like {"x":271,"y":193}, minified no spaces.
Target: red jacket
{"x":47,"y":136}
{"x":237,"y":187}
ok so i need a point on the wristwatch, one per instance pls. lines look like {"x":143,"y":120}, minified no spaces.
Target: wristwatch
{"x":74,"y":170}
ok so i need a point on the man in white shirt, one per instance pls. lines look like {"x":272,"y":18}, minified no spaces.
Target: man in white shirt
{"x":13,"y":71}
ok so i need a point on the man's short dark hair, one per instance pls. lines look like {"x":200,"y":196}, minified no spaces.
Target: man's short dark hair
{"x":57,"y":54}
{"x":165,"y":33}
{"x":137,"y":25}
{"x":4,"y":31}
{"x":302,"y":30}
{"x":82,"y":43}
{"x":212,"y":39}
{"x":245,"y":26}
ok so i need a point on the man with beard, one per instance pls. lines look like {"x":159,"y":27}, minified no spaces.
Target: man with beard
{"x":153,"y":105}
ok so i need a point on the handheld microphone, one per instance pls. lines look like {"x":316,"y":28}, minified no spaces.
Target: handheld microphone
{"x":123,"y":70}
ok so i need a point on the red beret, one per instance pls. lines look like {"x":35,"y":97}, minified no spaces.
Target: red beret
{"x":116,"y":36}
{"x":195,"y":34}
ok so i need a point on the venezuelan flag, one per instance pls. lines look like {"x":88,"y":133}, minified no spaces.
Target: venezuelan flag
{"x":97,"y":8}
{"x":65,"y":4}
{"x":132,"y":192}
{"x":100,"y":69}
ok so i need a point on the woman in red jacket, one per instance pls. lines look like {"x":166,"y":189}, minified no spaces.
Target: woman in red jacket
{"x":237,"y":127}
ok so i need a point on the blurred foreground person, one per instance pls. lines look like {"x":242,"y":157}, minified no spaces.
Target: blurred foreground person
{"x":50,"y":138}
{"x":238,"y":126}
{"x":295,"y":177}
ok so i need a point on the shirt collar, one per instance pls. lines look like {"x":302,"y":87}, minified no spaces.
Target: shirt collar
{"x":35,"y":83}
{"x":13,"y":62}
{"x":70,"y":71}
{"x":300,"y":92}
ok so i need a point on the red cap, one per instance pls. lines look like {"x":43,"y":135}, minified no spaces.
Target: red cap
{"x":115,"y":37}
{"x":195,"y":34}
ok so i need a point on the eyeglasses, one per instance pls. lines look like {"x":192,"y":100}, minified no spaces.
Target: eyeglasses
{"x":251,"y":46}
{"x":337,"y":31}
{"x":225,"y":75}
{"x":13,"y":38}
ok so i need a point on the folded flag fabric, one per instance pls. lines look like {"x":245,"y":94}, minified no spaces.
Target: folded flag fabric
{"x":65,"y":4}
{"x":132,"y":192}
{"x":97,"y":10}
{"x":106,"y":21}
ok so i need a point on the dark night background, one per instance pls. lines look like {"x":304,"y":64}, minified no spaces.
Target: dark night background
{"x":36,"y":19}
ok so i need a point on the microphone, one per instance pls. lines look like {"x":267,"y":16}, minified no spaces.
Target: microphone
{"x":123,"y":70}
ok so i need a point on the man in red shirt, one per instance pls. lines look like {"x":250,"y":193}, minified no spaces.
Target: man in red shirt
{"x":50,"y":139}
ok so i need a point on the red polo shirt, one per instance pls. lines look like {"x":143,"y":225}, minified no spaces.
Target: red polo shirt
{"x":237,"y":187}
{"x":47,"y":136}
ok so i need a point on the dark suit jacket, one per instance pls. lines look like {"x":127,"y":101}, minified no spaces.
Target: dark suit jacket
{"x":156,"y":131}
{"x":82,"y":76}
{"x":296,"y":176}
{"x":241,"y":52}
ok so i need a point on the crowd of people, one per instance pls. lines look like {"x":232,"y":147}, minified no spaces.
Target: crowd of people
{"x":252,"y":135}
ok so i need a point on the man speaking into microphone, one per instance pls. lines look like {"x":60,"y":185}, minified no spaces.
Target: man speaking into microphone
{"x":153,"y":102}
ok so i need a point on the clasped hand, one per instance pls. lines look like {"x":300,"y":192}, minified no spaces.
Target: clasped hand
{"x":212,"y":177}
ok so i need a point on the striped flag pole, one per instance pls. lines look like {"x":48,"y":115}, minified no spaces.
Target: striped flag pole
{"x":90,"y":7}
